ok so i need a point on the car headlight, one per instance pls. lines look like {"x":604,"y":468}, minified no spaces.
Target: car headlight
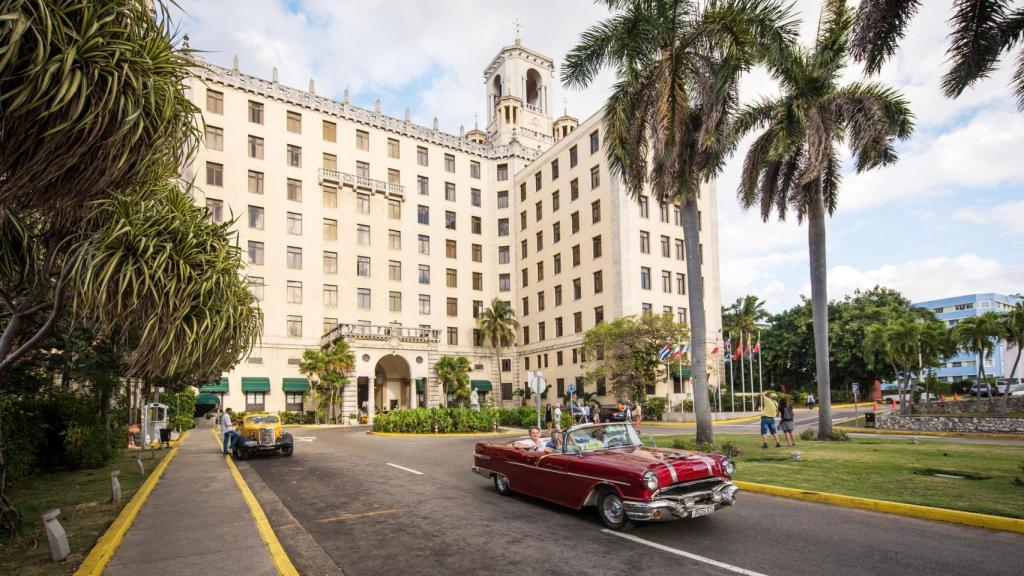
{"x":728,"y":467}
{"x":651,"y":480}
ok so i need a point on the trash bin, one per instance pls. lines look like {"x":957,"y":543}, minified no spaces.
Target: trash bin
{"x":869,"y":420}
{"x":165,"y":436}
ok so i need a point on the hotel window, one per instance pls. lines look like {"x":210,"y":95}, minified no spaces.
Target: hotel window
{"x":558,"y":295}
{"x":574,"y":222}
{"x":423,"y":214}
{"x":453,"y":307}
{"x":294,"y":224}
{"x":598,"y":282}
{"x":539,"y":210}
{"x":577,"y":325}
{"x":395,"y":239}
{"x":540,"y":271}
{"x":595,"y":142}
{"x":666,"y":311}
{"x":478,"y":281}
{"x":575,"y":255}
{"x":666,"y":281}
{"x":522,"y":220}
{"x":596,"y":246}
{"x":256,"y":217}
{"x":294,"y":329}
{"x":663,"y":212}
{"x":503,"y":199}
{"x":644,"y":207}
{"x":681,"y":315}
{"x":255,"y":182}
{"x":215,"y":208}
{"x":645,"y":242}
{"x":395,"y":209}
{"x":255,"y":252}
{"x":453,"y":336}
{"x":363,"y":203}
{"x":330,"y":262}
{"x":295,"y":190}
{"x":449,"y":163}
{"x":294,"y":123}
{"x":293,"y":401}
{"x":330,"y":197}
{"x":395,"y":271}
{"x":424,"y":244}
{"x":330,"y":131}
{"x":557,"y":264}
{"x":329,"y":324}
{"x":214,"y":102}
{"x":449,"y":220}
{"x":526,"y":277}
{"x":666,"y":247}
{"x":537,"y":181}
{"x":478,"y":306}
{"x":423,"y":185}
{"x":574,"y":189}
{"x":645,"y":278}
{"x":475,"y":225}
{"x":474,"y":169}
{"x":540,"y":241}
{"x":556,"y":232}
{"x":595,"y":211}
{"x":504,"y":282}
{"x":214,"y":138}
{"x":680,"y":283}
{"x":424,"y":277}
{"x":294,"y":156}
{"x":330,"y":295}
{"x":680,"y":250}
{"x":395,"y":301}
{"x":573,"y":157}
{"x":214,"y":174}
{"x":554,"y":201}
{"x":394,"y":149}
{"x":255,"y":112}
{"x":677,"y":216}
{"x":256,"y":287}
{"x":294,"y":292}
{"x":554,"y":170}
{"x":503,"y":255}
{"x":478,"y":337}
{"x":362,"y":140}
{"x":451,"y":249}
{"x":449,"y":191}
{"x":595,"y":177}
{"x":330,"y":162}
{"x":540,"y":333}
{"x":362,"y":169}
{"x":577,"y":289}
{"x":522,"y":249}
{"x":526,"y":340}
{"x":363,"y":298}
{"x":424,"y":304}
{"x":598,"y":314}
{"x":422,"y":156}
{"x":474,"y":196}
{"x":502,"y":172}
{"x":540,"y":301}
{"x":362,"y":265}
{"x":330,"y":229}
{"x":394,"y":177}
{"x":558,"y":333}
{"x":363,"y":234}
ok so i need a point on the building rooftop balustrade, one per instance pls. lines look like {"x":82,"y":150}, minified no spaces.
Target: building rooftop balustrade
{"x":344,"y":178}
{"x":381,"y":332}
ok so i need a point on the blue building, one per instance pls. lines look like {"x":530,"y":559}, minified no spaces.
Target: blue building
{"x":964,"y":366}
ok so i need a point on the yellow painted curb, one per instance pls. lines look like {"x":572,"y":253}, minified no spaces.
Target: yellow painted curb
{"x":678,"y":424}
{"x":898,"y":508}
{"x":851,"y":405}
{"x":939,"y":434}
{"x":103,"y":551}
{"x":446,"y":435}
{"x":317,"y":426}
{"x":278,"y":556}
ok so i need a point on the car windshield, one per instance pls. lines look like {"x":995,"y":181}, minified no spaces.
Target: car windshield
{"x":599,"y":437}
{"x":263,"y":419}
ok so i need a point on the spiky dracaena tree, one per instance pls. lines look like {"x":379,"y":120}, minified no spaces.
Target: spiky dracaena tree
{"x":794,"y":166}
{"x":668,"y":120}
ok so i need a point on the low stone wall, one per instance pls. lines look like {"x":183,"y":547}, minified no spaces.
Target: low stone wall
{"x":951,"y":424}
{"x":968,"y":404}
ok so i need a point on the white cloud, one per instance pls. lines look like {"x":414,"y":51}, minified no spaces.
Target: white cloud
{"x":1005,"y":218}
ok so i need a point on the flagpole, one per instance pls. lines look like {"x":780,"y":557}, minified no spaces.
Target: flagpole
{"x":743,"y":380}
{"x":732,"y":380}
{"x":760,"y":372}
{"x":750,"y":360}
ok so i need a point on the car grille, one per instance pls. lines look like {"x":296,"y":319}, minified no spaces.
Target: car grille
{"x":266,"y":437}
{"x":690,"y":488}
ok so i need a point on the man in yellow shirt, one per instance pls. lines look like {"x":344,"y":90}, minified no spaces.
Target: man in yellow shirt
{"x":769,"y":413}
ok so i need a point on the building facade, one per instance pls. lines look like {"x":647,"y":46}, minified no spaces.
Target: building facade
{"x":393,"y":236}
{"x":964,"y":365}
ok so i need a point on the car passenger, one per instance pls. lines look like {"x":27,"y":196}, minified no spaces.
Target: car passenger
{"x":554,"y":444}
{"x":533,"y":443}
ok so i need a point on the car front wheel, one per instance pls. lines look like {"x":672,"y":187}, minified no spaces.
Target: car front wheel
{"x":501,"y":485}
{"x":239,"y":453}
{"x":287,"y":450}
{"x":612,"y":512}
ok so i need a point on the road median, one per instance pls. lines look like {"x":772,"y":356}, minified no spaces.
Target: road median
{"x":939,"y":434}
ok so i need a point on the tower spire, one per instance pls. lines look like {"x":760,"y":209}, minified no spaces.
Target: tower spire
{"x":517,"y":25}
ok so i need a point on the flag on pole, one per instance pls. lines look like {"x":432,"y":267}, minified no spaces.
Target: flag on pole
{"x":663,"y":355}
{"x":728,"y":344}
{"x":677,"y":351}
{"x":749,"y":350}
{"x":686,"y":349}
{"x":757,"y":346}
{"x":715,"y":350}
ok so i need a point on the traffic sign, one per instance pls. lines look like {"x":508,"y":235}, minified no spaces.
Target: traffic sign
{"x":572,"y":388}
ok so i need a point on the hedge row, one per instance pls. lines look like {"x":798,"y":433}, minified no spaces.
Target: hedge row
{"x":455,"y":420}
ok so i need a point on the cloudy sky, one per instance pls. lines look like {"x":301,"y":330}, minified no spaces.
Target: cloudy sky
{"x":947,"y":219}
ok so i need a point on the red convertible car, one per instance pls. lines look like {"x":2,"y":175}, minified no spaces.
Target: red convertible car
{"x":607,"y":466}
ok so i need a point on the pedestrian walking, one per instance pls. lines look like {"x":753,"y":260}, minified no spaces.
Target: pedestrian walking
{"x":810,"y":401}
{"x":227,"y":430}
{"x":637,"y":415}
{"x":786,"y":420}
{"x":586,"y":413}
{"x":547,"y":417}
{"x":597,"y":413}
{"x":628,"y":413}
{"x":769,"y":411}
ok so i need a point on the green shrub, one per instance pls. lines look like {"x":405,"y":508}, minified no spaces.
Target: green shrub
{"x":297,"y":417}
{"x":445,"y":420}
{"x":654,"y":407}
{"x":182,"y":422}
{"x":1019,"y":479}
{"x":835,"y":435}
{"x":684,"y":444}
{"x":688,"y":406}
{"x":809,"y":434}
{"x":730,"y":449}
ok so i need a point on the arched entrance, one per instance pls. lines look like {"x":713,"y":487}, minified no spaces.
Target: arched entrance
{"x":393,"y":384}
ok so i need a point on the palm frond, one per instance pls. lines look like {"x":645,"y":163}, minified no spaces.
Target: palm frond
{"x":832,"y":45}
{"x":877,"y":30}
{"x":976,"y":42}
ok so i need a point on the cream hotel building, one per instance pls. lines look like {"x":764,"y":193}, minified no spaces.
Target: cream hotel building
{"x":393,"y":236}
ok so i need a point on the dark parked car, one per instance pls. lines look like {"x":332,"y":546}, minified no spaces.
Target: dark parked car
{"x":612,"y":414}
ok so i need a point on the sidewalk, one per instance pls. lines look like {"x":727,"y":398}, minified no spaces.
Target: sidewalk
{"x":195,"y":521}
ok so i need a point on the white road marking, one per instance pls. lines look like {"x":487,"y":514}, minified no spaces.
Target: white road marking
{"x":684,"y":554}
{"x":404,"y":468}
{"x":306,"y":438}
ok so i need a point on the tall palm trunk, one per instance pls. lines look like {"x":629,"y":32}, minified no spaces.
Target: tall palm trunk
{"x":698,"y":328}
{"x":1006,"y":391}
{"x":981,"y":377}
{"x":497,"y":373}
{"x":819,"y":309}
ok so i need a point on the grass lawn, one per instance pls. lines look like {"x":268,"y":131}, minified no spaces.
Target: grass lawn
{"x":889,"y":469}
{"x":83,"y":497}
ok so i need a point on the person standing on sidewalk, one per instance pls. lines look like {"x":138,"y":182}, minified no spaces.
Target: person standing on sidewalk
{"x":227,"y":429}
{"x":547,"y":417}
{"x":770,"y":410}
{"x":557,"y":414}
{"x":786,"y":420}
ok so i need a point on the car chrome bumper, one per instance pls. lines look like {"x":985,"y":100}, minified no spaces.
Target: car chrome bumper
{"x":677,"y":507}
{"x":483,"y":472}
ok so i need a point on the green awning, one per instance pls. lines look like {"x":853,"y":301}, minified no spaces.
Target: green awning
{"x":296,"y":385}
{"x":420,"y":384}
{"x":207,"y":399}
{"x":480,"y":385}
{"x":221,"y":386}
{"x":686,"y":372}
{"x":255,"y":384}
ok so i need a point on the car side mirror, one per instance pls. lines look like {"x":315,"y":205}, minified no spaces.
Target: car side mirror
{"x":577,"y":449}
{"x":649,"y":441}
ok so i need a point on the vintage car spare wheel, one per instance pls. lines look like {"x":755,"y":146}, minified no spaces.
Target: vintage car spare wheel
{"x":501,"y":485}
{"x":613,"y":514}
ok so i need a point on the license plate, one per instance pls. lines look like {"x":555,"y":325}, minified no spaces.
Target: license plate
{"x":701,"y":511}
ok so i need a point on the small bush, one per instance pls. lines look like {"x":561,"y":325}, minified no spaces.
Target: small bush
{"x":730,"y":449}
{"x":835,"y":435}
{"x":809,"y":434}
{"x":684,"y":444}
{"x":1019,"y":479}
{"x":654,"y":407}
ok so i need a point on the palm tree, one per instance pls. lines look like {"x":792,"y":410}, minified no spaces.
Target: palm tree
{"x":338,"y":361}
{"x":978,"y":334}
{"x":312,"y":367}
{"x":936,"y":344}
{"x":982,"y":32}
{"x":897,"y":344}
{"x":744,"y":314}
{"x":669,"y":116}
{"x":1013,"y":335}
{"x":453,"y":372}
{"x":794,"y":164}
{"x":498,"y":328}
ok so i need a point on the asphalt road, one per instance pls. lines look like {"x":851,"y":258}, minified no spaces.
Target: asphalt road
{"x":365,"y":505}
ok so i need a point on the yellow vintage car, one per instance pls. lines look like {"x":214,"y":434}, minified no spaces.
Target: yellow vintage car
{"x":261,"y":433}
